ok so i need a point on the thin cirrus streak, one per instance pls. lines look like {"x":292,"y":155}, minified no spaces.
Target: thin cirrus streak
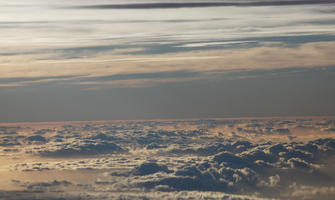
{"x":201,"y":4}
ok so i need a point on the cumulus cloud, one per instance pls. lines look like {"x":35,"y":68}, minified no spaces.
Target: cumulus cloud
{"x":150,"y":168}
{"x":83,"y":148}
{"x":9,"y":141}
{"x":231,"y":171}
{"x":36,"y":139}
{"x":164,"y":157}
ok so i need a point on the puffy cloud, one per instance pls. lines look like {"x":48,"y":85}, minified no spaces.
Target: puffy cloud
{"x":84,"y":148}
{"x":48,"y":184}
{"x":155,"y":146}
{"x":259,"y":167}
{"x":298,"y":163}
{"x":164,"y":157}
{"x":150,"y":168}
{"x":282,"y":130}
{"x":274,"y":180}
{"x":36,"y":139}
{"x":205,"y":150}
{"x":9,"y":141}
{"x":230,"y":160}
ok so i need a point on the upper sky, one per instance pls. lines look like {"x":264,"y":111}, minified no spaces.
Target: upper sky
{"x":143,"y":59}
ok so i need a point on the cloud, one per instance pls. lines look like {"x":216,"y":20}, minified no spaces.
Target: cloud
{"x":9,"y":140}
{"x":147,"y":71}
{"x":150,"y":168}
{"x":116,"y":156}
{"x":30,"y":195}
{"x":82,"y":149}
{"x":309,"y":192}
{"x":299,"y":163}
{"x":230,"y":160}
{"x":282,"y":131}
{"x":274,"y":180}
{"x":259,"y":167}
{"x":36,"y":139}
{"x":38,"y":45}
{"x":205,"y":150}
{"x":155,"y":146}
{"x":24,"y":81}
{"x":157,"y":75}
{"x":202,"y":4}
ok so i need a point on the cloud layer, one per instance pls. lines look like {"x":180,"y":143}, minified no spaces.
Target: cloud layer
{"x":214,"y":158}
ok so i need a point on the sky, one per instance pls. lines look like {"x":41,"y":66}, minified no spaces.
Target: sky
{"x":147,"y":59}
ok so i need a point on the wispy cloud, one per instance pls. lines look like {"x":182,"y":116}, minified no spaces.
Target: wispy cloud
{"x":108,"y":67}
{"x":161,"y":5}
{"x":28,"y":81}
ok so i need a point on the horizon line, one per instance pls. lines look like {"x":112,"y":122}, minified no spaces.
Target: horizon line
{"x":171,"y":119}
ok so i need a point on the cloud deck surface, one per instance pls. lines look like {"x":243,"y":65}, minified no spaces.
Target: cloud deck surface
{"x":219,"y":158}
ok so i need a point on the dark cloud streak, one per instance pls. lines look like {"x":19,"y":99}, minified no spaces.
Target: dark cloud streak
{"x":201,"y":4}
{"x":33,"y":79}
{"x":157,"y":75}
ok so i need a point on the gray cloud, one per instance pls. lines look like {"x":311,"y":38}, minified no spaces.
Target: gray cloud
{"x":41,"y":23}
{"x":150,"y":168}
{"x":258,"y":167}
{"x":203,"y":4}
{"x":36,"y":139}
{"x":9,"y":140}
{"x":34,"y":79}
{"x":82,"y":149}
{"x":156,"y":47}
{"x":156,"y":75}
